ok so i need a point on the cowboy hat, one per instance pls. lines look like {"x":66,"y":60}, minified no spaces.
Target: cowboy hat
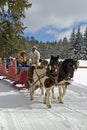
{"x":34,"y":47}
{"x":23,"y":51}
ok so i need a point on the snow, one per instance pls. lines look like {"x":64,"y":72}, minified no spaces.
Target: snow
{"x":17,"y":112}
{"x":83,"y":63}
{"x":80,"y":74}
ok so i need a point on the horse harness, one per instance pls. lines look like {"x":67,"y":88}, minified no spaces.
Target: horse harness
{"x":39,"y":76}
{"x":52,"y":73}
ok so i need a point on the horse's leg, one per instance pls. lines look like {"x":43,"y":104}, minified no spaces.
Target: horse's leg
{"x":64,"y":89}
{"x":45,"y":98}
{"x":48,"y":98}
{"x":31,"y":91}
{"x":42,"y":89}
{"x":60,"y":93}
{"x":53,"y":96}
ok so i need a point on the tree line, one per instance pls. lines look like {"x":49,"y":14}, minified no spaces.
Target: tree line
{"x":12,"y":41}
{"x":74,"y":47}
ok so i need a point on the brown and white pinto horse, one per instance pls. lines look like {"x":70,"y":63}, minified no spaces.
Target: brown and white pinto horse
{"x":36,"y":77}
{"x":64,"y":76}
{"x":66,"y":73}
{"x":51,"y":80}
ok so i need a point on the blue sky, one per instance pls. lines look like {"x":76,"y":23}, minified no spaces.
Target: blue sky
{"x":53,"y":20}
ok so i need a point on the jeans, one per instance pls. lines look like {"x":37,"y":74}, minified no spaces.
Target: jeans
{"x":21,"y":65}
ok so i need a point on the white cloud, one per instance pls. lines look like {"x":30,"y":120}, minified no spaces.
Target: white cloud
{"x":58,"y":13}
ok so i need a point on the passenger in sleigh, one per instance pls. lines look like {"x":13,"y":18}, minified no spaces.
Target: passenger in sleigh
{"x":34,"y":56}
{"x":22,"y":60}
{"x":7,"y":63}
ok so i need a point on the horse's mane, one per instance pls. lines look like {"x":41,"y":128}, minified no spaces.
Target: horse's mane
{"x":66,"y":62}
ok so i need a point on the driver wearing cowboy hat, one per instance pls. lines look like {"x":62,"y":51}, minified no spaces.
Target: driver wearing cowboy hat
{"x":34,"y":56}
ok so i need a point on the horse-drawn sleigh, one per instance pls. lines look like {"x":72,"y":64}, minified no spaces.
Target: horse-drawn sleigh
{"x":45,"y":76}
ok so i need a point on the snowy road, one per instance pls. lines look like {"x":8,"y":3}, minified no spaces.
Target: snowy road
{"x":17,"y":112}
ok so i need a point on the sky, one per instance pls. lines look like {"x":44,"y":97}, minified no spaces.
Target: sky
{"x":51,"y":20}
{"x":17,"y":112}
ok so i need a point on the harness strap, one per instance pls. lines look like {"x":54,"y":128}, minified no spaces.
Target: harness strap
{"x":39,"y":76}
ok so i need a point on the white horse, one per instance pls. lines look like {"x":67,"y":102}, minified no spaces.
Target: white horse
{"x":36,"y":77}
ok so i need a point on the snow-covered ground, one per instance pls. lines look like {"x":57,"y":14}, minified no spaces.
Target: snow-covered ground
{"x":17,"y":112}
{"x":80,"y":75}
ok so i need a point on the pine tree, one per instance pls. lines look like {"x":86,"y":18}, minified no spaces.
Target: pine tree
{"x":72,"y":38}
{"x":84,"y":48}
{"x":72,"y":43}
{"x":78,"y":44}
{"x":85,"y":37}
{"x":11,"y":26}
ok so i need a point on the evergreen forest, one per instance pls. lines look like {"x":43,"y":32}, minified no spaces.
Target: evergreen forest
{"x":12,"y":39}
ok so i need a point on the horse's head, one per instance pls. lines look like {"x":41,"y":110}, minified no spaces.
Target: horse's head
{"x":54,"y":60}
{"x":71,"y":65}
{"x":54,"y":63}
{"x":66,"y":69}
{"x":43,"y":63}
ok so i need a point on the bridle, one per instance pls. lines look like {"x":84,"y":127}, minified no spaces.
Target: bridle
{"x":73,"y":67}
{"x":53,"y":71}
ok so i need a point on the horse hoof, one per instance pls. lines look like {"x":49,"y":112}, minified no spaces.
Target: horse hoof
{"x":54,"y":98}
{"x":49,"y":106}
{"x":44,"y":102}
{"x":42,"y":94}
{"x":31,"y":99}
{"x":61,"y":102}
{"x":58,"y":97}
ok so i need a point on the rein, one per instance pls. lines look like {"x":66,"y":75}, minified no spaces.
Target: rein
{"x":39,"y":76}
